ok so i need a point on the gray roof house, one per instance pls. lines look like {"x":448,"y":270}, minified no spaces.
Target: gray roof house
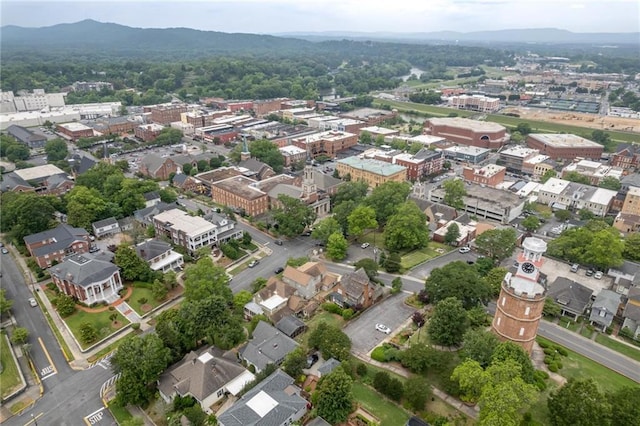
{"x":275,"y":401}
{"x":604,"y":308}
{"x":631,"y":313}
{"x":328,"y":366}
{"x":57,"y":243}
{"x":318,"y":421}
{"x":291,"y":326}
{"x":88,"y":279}
{"x":159,"y":256}
{"x":27,"y":137}
{"x":145,"y":216}
{"x":205,"y":375}
{"x":268,"y":346}
{"x":151,"y":198}
{"x":105,"y":227}
{"x":572,"y":297}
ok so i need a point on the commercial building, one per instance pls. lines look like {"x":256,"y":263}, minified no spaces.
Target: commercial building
{"x":371,"y":116}
{"x":467,"y":154}
{"x":426,"y":140}
{"x":522,"y":296}
{"x":342,"y":125}
{"x":75,"y":131}
{"x":376,"y":131}
{"x":193,"y":232}
{"x":148,"y":132}
{"x":513,"y":158}
{"x":561,"y":194}
{"x":38,"y":100}
{"x":87,"y":279}
{"x":293,"y":154}
{"x":373,"y":172}
{"x":593,"y":170}
{"x":628,"y":220}
{"x":91,"y":86}
{"x":27,"y":137}
{"x":564,"y":146}
{"x":165,"y":114}
{"x":468,"y":132}
{"x":240,"y":193}
{"x":44,"y":180}
{"x":326,"y":143}
{"x":474,"y":103}
{"x":489,"y":175}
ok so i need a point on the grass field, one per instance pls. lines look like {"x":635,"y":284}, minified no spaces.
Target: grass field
{"x":142,"y":293}
{"x":620,"y":347}
{"x":507,"y":121}
{"x":10,"y":377}
{"x":416,"y":257}
{"x":389,"y":413}
{"x":100,"y":320}
{"x":120,"y":413}
{"x":578,"y":366}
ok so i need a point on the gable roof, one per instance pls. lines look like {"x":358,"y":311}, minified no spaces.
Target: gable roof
{"x":607,"y":300}
{"x":24,"y":135}
{"x":83,"y":270}
{"x":104,"y":222}
{"x":270,"y":403}
{"x":145,"y":215}
{"x":149,"y":249}
{"x":151,"y":195}
{"x":297,"y":276}
{"x":81,"y":163}
{"x":318,"y":421}
{"x":572,"y":296}
{"x":289,"y":325}
{"x":62,"y":236}
{"x":632,"y":308}
{"x":199,"y":374}
{"x":328,"y":366}
{"x":153,"y":162}
{"x":268,"y":346}
{"x":354,"y":283}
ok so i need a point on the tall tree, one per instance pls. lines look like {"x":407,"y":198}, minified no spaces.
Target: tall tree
{"x":293,"y":216}
{"x":494,"y":279}
{"x":268,"y":152}
{"x":133,"y":266}
{"x":548,"y":175}
{"x":497,"y":243}
{"x":453,"y":233}
{"x":140,"y":361}
{"x":361,"y":219}
{"x":448,"y":322}
{"x":84,"y":206}
{"x":479,"y":345}
{"x":632,"y":246}
{"x":331,"y":341}
{"x":350,"y":191}
{"x":407,"y":228}
{"x":56,"y":150}
{"x":5,"y":304}
{"x":205,"y":279}
{"x":510,"y":351}
{"x":459,"y":280}
{"x":610,"y":182}
{"x":333,"y":397}
{"x":578,"y":402}
{"x":454,"y":193}
{"x":625,"y":405}
{"x":386,"y":198}
{"x":416,"y":392}
{"x":295,"y":361}
{"x":26,"y":213}
{"x":325,"y":228}
{"x":531,"y":223}
{"x":337,"y":246}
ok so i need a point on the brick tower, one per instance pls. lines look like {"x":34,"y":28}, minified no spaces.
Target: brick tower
{"x":522,"y":296}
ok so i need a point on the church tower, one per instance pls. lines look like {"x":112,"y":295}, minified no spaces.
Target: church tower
{"x":522,"y":296}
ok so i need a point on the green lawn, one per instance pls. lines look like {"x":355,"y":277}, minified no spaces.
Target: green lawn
{"x":100,"y":320}
{"x":120,"y":413}
{"x":10,"y":376}
{"x":318,"y":317}
{"x":578,"y":366}
{"x":376,"y":239}
{"x":389,"y":413}
{"x":620,"y":347}
{"x":142,"y":293}
{"x":416,"y":257}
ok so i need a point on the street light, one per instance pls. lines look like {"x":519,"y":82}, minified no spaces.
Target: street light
{"x":34,"y":420}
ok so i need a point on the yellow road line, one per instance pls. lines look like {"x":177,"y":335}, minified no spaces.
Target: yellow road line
{"x":34,"y":419}
{"x":47,"y":354}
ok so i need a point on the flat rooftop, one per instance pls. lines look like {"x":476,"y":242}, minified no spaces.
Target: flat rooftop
{"x":465,"y":123}
{"x":39,"y":172}
{"x":519,"y":151}
{"x":365,"y":113}
{"x":486,"y":197}
{"x":181,"y":221}
{"x":74,"y":127}
{"x":468,"y":150}
{"x":373,"y":166}
{"x":291,"y":150}
{"x":241,"y":186}
{"x":379,"y":130}
{"x":564,"y":140}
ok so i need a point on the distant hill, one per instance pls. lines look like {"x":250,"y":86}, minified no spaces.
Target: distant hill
{"x":538,"y":35}
{"x":114,"y":38}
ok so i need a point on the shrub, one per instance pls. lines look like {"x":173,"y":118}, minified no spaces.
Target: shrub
{"x":362,"y":370}
{"x":65,"y":305}
{"x":609,"y":330}
{"x":347,"y":314}
{"x":142,"y":300}
{"x":378,"y":354}
{"x":562,"y":351}
{"x":558,"y":364}
{"x":553,"y":367}
{"x":135,"y":326}
{"x":332,"y":307}
{"x":548,"y":359}
{"x":381,"y":381}
{"x":549,"y":351}
{"x":394,"y":389}
{"x":543,"y":345}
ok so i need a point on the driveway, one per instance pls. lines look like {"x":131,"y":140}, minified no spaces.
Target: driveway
{"x":423,"y":270}
{"x":391,"y":312}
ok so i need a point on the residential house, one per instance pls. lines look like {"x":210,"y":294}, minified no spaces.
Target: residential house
{"x":291,"y":325}
{"x":604,"y":308}
{"x":267,"y":346}
{"x":159,"y":256}
{"x":318,"y":421}
{"x":562,"y":194}
{"x":157,"y":167}
{"x":54,"y":245}
{"x":592,"y":170}
{"x":145,"y":216}
{"x":151,"y":198}
{"x":572,"y":297}
{"x":87,"y":279}
{"x":631,"y":313}
{"x":206,"y":375}
{"x":356,"y":290}
{"x":309,"y":279}
{"x":328,"y":366}
{"x":465,"y":225}
{"x":102,"y":228}
{"x":275,"y":401}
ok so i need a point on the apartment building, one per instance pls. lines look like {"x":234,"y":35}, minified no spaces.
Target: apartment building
{"x":468,"y":132}
{"x":148,"y":132}
{"x":239,"y":192}
{"x":513,"y":158}
{"x":193,"y":232}
{"x":467,"y":154}
{"x":628,"y":220}
{"x":564,"y":146}
{"x":562,"y":194}
{"x":593,"y":170}
{"x":327,"y":143}
{"x":373,"y":172}
{"x":293,"y":154}
{"x":626,"y":157}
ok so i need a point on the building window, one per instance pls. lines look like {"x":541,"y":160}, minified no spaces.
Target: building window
{"x":527,"y":310}
{"x":504,"y":300}
{"x":521,"y":333}
{"x":498,"y":321}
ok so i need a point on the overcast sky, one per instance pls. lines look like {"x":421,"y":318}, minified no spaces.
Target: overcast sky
{"x":276,"y":16}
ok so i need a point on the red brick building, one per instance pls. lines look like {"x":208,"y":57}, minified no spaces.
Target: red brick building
{"x":326,"y":143}
{"x":564,"y":146}
{"x":489,"y":175}
{"x":371,"y":116}
{"x":55,"y":244}
{"x":158,"y":167}
{"x":468,"y":132}
{"x":148,"y":132}
{"x":266,"y":107}
{"x":239,"y":192}
{"x":75,"y":131}
{"x":627,"y":157}
{"x":165,"y":114}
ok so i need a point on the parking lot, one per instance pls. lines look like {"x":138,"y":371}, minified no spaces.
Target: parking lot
{"x":392,"y":312}
{"x":554,"y":269}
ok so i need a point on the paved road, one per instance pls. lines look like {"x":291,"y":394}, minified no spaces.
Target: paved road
{"x":423,"y":270}
{"x":391,"y":312}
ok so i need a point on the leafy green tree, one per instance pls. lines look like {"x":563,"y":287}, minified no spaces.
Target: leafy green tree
{"x":548,"y":175}
{"x":19,"y":335}
{"x":610,"y":182}
{"x":562,"y":215}
{"x":205,"y":279}
{"x":419,"y":357}
{"x":350,"y":191}
{"x":494,"y":279}
{"x":531,"y":223}
{"x":407,"y":228}
{"x":523,"y":128}
{"x":551,"y":308}
{"x":510,"y":351}
{"x":25,"y":213}
{"x":333,"y":397}
{"x":596,"y":244}
{"x":267,"y":152}
{"x":331,"y":341}
{"x":17,"y":152}
{"x":471,"y":377}
{"x":159,"y":290}
{"x":369,"y":266}
{"x":325,"y":228}
{"x":393,"y":263}
{"x":479,"y":345}
{"x":453,"y":233}
{"x":625,"y":405}
{"x":133,"y":267}
{"x":293,"y":216}
{"x":88,"y":332}
{"x":97,"y":176}
{"x":448,"y":322}
{"x":56,"y":150}
{"x":84,"y":206}
{"x":365,"y":138}
{"x":416,"y":392}
{"x":632,"y":247}
{"x":361,"y":219}
{"x":458,"y":280}
{"x":65,"y":305}
{"x":576,"y":177}
{"x":585,"y":214}
{"x":241,"y":298}
{"x":454,"y":193}
{"x":140,"y":361}
{"x":294,"y":362}
{"x":337,"y":246}
{"x":396,"y":285}
{"x":5,"y":304}
{"x":497,"y":243}
{"x":386,"y":198}
{"x":578,"y":402}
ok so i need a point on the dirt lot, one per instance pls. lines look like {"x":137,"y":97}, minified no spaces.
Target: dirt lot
{"x":577,"y":119}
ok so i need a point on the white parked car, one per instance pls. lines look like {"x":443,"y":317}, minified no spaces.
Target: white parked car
{"x":364,"y":245}
{"x":383,"y":328}
{"x":464,"y":249}
{"x":33,"y":302}
{"x":598,"y":275}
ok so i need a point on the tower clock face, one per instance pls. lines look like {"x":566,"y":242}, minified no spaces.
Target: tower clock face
{"x":528,"y":267}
